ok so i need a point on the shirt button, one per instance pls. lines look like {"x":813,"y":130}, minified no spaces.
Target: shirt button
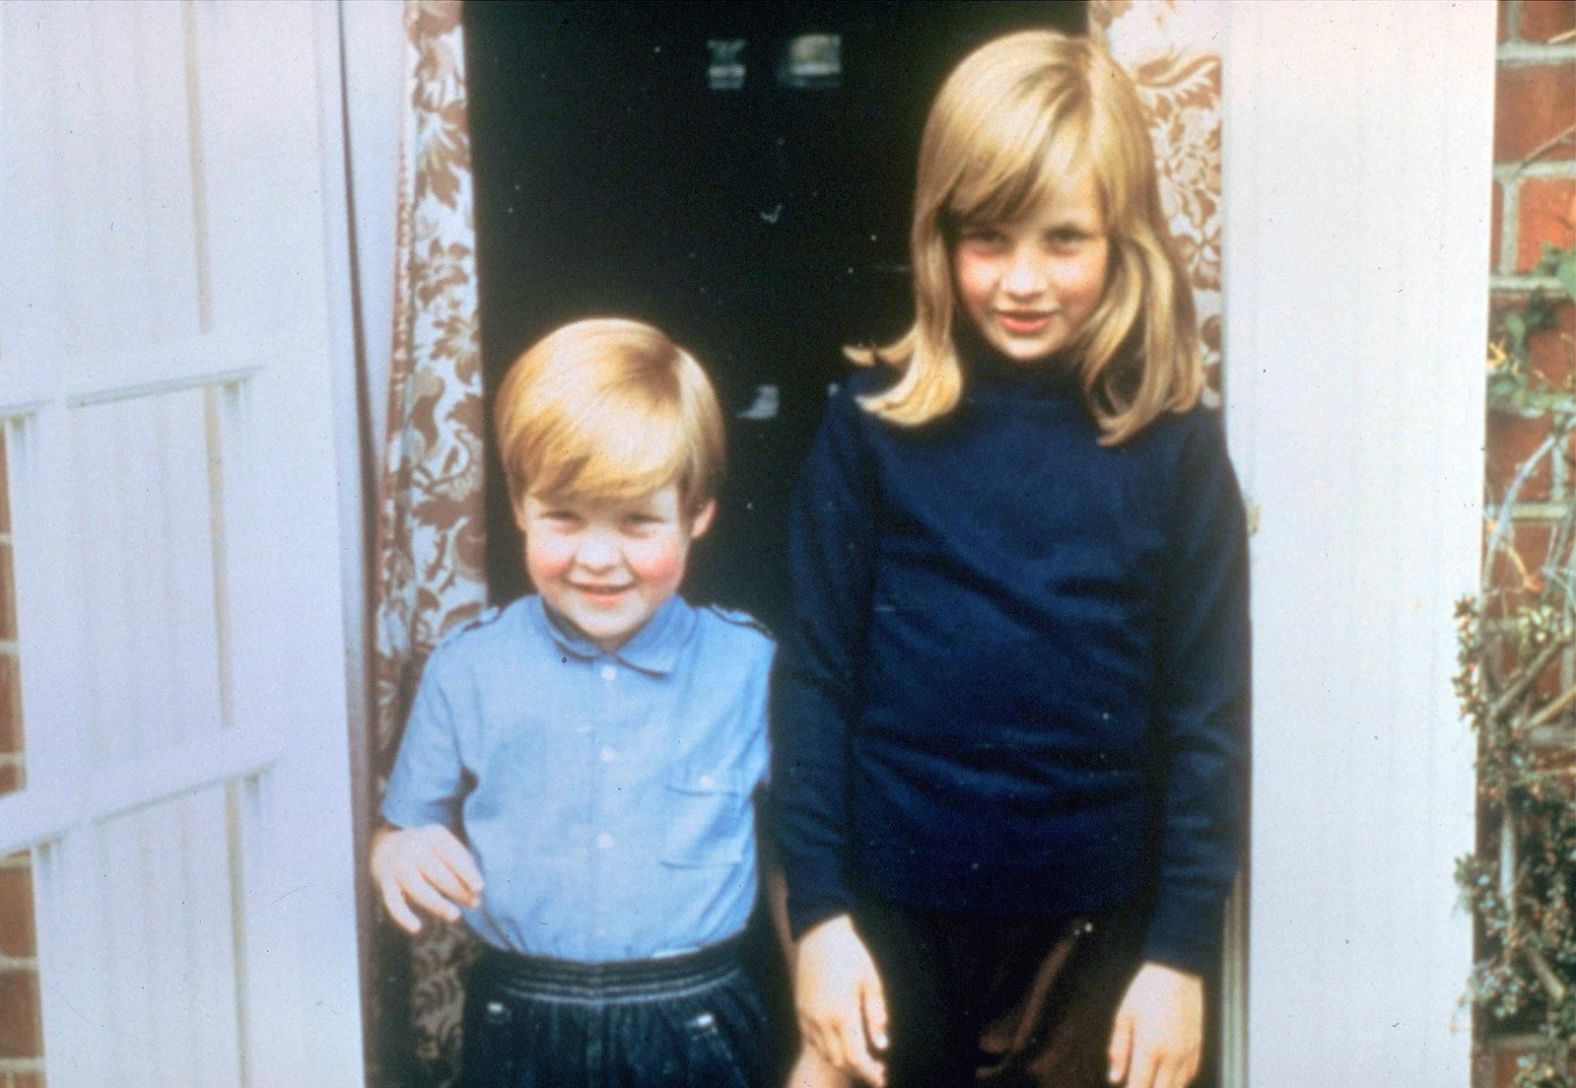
{"x":608,"y":672}
{"x":609,"y":756}
{"x":604,"y":841}
{"x":706,"y":782}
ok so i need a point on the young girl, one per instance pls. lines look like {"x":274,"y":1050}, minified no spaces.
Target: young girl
{"x":1012,"y":706}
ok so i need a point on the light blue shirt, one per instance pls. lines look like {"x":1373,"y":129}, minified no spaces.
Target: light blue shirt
{"x":607,"y":797}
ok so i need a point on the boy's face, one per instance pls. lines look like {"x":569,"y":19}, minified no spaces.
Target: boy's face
{"x":606,"y":567}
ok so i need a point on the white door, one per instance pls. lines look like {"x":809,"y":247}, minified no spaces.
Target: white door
{"x":165,"y":345}
{"x":1357,"y":155}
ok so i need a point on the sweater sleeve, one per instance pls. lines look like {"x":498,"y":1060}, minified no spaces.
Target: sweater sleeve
{"x":1203,"y":703}
{"x":816,"y":681}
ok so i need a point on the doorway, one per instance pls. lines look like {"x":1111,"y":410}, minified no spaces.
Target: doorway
{"x":741,"y":176}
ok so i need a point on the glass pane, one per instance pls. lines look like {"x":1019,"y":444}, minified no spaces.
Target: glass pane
{"x":12,"y":769}
{"x":168,"y":985}
{"x":148,"y":526}
{"x":21,"y":1035}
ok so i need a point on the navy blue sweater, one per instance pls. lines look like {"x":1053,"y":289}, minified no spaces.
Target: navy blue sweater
{"x":1016,"y":680}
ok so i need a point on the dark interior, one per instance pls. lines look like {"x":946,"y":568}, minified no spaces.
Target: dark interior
{"x":762,"y":223}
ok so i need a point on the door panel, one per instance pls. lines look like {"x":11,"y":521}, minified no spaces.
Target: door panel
{"x":165,"y":397}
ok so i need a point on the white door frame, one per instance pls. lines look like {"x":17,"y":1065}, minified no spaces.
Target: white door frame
{"x":253,"y":270}
{"x":1357,"y":195}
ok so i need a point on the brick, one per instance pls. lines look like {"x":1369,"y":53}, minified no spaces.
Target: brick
{"x":5,"y":488}
{"x":19,"y":1028}
{"x":17,"y":936}
{"x":12,"y":777}
{"x":1510,"y":440}
{"x":1502,"y":31}
{"x":7,"y":594}
{"x":1509,"y":584}
{"x":1521,"y":582}
{"x":1533,"y":104}
{"x":1552,"y":352}
{"x":1496,"y":221}
{"x":1547,"y":213}
{"x":1504,"y":1064}
{"x":1500,"y":1061}
{"x":1532,"y":542}
{"x":27,"y":1080}
{"x":1545,"y":19}
{"x":11,"y":735}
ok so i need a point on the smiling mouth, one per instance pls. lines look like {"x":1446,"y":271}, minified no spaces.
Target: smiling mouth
{"x":601,"y":594}
{"x":1025,"y":321}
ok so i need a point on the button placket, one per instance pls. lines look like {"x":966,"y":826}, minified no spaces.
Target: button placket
{"x":599,"y":765}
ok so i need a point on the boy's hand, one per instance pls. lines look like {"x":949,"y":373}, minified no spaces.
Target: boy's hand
{"x":813,"y":1071}
{"x":1159,"y":1029}
{"x":426,"y":866}
{"x":842,"y":1008}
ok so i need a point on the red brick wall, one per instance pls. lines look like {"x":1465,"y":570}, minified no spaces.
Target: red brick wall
{"x":21,"y":1046}
{"x":1534,"y":202}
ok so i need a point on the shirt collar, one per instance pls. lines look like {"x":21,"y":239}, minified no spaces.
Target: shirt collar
{"x":655,"y":647}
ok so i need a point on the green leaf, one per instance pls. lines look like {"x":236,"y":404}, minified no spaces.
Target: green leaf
{"x":1567,"y":273}
{"x":1516,"y":326}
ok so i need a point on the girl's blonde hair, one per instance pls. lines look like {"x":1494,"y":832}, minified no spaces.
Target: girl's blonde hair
{"x":609,"y":410}
{"x":1013,"y":123}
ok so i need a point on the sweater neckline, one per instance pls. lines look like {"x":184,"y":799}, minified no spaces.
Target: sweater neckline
{"x":987,"y":370}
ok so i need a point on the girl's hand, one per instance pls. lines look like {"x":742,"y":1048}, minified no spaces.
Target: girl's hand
{"x":842,"y":1009}
{"x":813,"y":1071}
{"x":1159,"y":1029}
{"x":426,"y":866}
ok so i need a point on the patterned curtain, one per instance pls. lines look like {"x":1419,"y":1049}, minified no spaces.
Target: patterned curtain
{"x":1171,"y":48}
{"x":430,"y":538}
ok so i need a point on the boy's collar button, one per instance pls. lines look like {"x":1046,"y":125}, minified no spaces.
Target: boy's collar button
{"x":609,"y":672}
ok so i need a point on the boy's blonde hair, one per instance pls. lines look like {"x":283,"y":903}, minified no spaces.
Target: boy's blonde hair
{"x":609,"y":410}
{"x":1013,"y":123}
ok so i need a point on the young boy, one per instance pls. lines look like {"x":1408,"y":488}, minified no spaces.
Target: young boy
{"x":577,"y":776}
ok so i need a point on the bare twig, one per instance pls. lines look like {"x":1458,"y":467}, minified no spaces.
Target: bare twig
{"x":1529,"y":675}
{"x":1552,"y":710}
{"x":1551,"y":981}
{"x":1568,"y":136}
{"x":1507,"y":506}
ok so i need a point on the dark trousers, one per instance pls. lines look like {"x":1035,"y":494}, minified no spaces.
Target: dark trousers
{"x":692,"y":1021}
{"x":1014,"y":1002}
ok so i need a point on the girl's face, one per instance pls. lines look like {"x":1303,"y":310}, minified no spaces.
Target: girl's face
{"x":1030,"y":285}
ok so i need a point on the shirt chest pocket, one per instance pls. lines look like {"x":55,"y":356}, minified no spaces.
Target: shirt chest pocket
{"x":710,"y":818}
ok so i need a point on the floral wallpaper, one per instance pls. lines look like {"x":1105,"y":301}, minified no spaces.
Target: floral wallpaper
{"x":1171,"y":48}
{"x":429,"y":560}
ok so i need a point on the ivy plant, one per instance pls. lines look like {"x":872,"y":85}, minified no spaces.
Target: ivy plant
{"x":1516,"y":687}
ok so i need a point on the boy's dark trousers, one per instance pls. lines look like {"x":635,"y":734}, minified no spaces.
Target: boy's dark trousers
{"x":691,"y":1021}
{"x":1018,"y":1002}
